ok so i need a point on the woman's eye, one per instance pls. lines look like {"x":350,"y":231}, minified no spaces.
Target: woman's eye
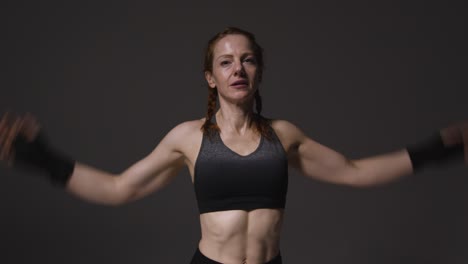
{"x":224,"y":63}
{"x":250,"y":60}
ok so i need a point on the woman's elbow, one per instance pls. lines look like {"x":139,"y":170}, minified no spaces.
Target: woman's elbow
{"x":122,"y":194}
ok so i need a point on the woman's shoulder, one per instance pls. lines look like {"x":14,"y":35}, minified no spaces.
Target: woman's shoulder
{"x":288,"y":133}
{"x":188,"y":127}
{"x":184,"y":134}
{"x":284,"y":126}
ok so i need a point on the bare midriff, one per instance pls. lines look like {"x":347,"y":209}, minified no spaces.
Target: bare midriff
{"x":241,"y":237}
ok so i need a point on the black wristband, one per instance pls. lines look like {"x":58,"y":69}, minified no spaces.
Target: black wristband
{"x":38,"y":154}
{"x":432,"y":151}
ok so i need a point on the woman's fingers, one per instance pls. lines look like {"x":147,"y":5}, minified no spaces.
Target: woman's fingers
{"x":10,"y":138}
{"x":4,"y":128}
{"x":457,"y":135}
{"x":10,"y":127}
{"x":30,"y":127}
{"x":452,"y":135}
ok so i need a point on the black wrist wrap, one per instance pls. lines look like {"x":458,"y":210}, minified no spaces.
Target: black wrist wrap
{"x":433,"y":151}
{"x":38,"y":154}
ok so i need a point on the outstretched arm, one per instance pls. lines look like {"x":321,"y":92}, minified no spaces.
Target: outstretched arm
{"x":320,"y":162}
{"x":147,"y":175}
{"x":323,"y":163}
{"x":21,"y":142}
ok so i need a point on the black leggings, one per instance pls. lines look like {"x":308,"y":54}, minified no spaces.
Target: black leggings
{"x":199,"y":258}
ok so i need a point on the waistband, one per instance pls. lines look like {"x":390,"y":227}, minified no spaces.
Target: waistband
{"x":199,"y":258}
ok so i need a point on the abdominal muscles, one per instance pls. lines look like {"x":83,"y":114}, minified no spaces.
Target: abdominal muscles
{"x":238,"y":236}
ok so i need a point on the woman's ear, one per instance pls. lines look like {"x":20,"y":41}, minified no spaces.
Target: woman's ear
{"x":209,"y":78}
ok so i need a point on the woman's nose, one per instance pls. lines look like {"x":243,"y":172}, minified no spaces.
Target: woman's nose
{"x":239,"y":69}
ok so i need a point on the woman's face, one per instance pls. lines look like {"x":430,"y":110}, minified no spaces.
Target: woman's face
{"x":234,"y":69}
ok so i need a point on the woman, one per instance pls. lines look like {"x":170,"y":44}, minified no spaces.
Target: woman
{"x":238,"y":160}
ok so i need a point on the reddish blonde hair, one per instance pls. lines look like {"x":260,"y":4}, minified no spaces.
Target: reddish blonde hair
{"x":261,"y":124}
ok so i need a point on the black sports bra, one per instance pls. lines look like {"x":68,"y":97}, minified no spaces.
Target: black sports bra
{"x":225,"y":180}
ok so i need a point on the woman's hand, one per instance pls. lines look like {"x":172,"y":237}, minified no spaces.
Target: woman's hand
{"x":14,"y":128}
{"x":456,"y":135}
{"x":22,"y":141}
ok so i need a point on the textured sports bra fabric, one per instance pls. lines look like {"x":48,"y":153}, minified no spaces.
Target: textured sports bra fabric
{"x":225,"y":180}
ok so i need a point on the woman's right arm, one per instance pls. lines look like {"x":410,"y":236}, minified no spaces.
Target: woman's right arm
{"x":146,"y":176}
{"x":91,"y":184}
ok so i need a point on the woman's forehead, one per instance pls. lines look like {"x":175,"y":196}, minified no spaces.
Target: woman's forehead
{"x":232,"y":45}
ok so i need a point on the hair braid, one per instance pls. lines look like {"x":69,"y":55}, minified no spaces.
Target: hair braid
{"x":258,"y":102}
{"x":211,"y":110}
{"x":262,"y":124}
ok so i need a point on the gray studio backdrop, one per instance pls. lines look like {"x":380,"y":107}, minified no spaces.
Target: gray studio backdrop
{"x":108,"y":81}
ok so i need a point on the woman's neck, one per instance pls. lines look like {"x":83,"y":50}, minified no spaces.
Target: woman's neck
{"x":234,"y":119}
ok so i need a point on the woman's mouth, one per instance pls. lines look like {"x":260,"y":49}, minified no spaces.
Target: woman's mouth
{"x":240,"y":84}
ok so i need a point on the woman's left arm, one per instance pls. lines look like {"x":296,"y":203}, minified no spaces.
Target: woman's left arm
{"x":322,"y":163}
